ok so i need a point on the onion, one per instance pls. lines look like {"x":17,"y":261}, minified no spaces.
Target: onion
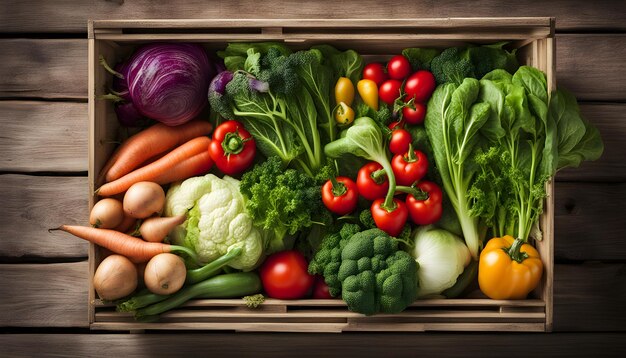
{"x":165,"y":274}
{"x":144,"y":199}
{"x":168,"y":82}
{"x":106,"y":214}
{"x":116,"y":277}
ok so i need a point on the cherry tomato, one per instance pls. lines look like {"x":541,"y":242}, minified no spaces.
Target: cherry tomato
{"x":391,"y":222}
{"x":427,"y":211}
{"x":372,"y":181}
{"x":389,"y":91}
{"x":400,"y":141}
{"x":396,"y":125}
{"x":420,"y":86}
{"x":414,"y":116}
{"x":344,"y":91}
{"x":368,"y":90}
{"x":375,"y":71}
{"x":232,"y":148}
{"x":285,"y":276}
{"x":340,"y":195}
{"x":320,"y":289}
{"x":398,"y":67}
{"x":409,"y":167}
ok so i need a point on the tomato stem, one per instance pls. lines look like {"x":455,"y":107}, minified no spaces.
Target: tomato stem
{"x":339,"y":189}
{"x":233,"y":143}
{"x":410,"y":158}
{"x":379,"y":176}
{"x":417,"y":193}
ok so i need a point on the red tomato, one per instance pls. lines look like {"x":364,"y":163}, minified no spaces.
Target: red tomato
{"x":372,"y":186}
{"x":340,"y":195}
{"x":232,"y":148}
{"x":420,"y":86}
{"x":389,"y":91}
{"x":375,"y":71}
{"x":391,"y":222}
{"x":427,"y":211}
{"x":414,"y":116}
{"x":397,"y":124}
{"x":400,"y":141}
{"x":320,"y":289}
{"x":409,"y":168}
{"x":285,"y":276}
{"x":398,"y":67}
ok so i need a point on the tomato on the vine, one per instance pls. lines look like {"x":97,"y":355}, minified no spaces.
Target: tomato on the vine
{"x":372,"y":181}
{"x":400,"y":141}
{"x":398,"y":67}
{"x":375,"y":71}
{"x":414,"y":115}
{"x":425,"y":211}
{"x":340,"y":195}
{"x":232,"y":148}
{"x":390,"y":220}
{"x":420,"y":86}
{"x":285,"y":275}
{"x":389,"y":91}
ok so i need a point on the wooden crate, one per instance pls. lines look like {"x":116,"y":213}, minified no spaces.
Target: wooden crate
{"x":375,"y":39}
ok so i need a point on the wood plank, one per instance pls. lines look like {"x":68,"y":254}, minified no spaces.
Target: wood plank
{"x":43,"y":136}
{"x":71,"y":16}
{"x":33,"y":204}
{"x":592,"y":66}
{"x":589,"y":221}
{"x":43,"y":68}
{"x":45,"y":295}
{"x":611,"y":122}
{"x":316,"y":345}
{"x":590,"y":297}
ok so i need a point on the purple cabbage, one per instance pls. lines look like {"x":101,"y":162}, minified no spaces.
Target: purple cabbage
{"x":219,"y":82}
{"x":168,"y":82}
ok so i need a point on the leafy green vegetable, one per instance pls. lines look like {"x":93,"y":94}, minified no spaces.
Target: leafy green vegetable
{"x":454,"y":124}
{"x":420,"y":58}
{"x":375,"y":275}
{"x":344,"y":64}
{"x":280,"y":201}
{"x":457,"y":63}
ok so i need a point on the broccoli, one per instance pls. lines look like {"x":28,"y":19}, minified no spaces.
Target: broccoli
{"x":375,"y":275}
{"x":327,"y":260}
{"x":281,"y":201}
{"x":366,"y":219}
{"x":452,"y":65}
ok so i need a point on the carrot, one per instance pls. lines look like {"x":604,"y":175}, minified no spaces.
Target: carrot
{"x":190,"y":167}
{"x":156,"y":168}
{"x":133,"y":248}
{"x":150,"y":142}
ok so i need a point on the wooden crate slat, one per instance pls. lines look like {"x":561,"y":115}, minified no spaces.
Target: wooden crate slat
{"x":33,"y":204}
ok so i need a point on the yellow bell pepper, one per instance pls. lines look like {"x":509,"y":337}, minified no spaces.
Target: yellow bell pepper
{"x":508,"y":269}
{"x":369,"y":93}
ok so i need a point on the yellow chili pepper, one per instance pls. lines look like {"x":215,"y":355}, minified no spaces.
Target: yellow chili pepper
{"x":369,"y":93}
{"x":508,"y":269}
{"x":344,"y":91}
{"x":344,"y":114}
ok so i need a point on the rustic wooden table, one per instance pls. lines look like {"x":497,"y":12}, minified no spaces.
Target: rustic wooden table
{"x":43,"y":182}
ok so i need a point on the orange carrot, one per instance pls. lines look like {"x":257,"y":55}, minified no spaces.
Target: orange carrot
{"x":135,"y":249}
{"x":197,"y":165}
{"x":156,"y":168}
{"x":150,"y":142}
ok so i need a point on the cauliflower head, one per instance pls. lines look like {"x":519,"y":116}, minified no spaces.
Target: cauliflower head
{"x":217,"y":220}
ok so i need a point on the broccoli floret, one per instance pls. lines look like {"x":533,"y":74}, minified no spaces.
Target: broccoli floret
{"x":254,"y":301}
{"x":375,"y":275}
{"x":280,"y":201}
{"x":278,"y":69}
{"x":452,"y":65}
{"x":327,"y":260}
{"x":366,"y":219}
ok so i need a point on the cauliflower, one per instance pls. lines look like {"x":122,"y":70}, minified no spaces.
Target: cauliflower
{"x":217,"y":220}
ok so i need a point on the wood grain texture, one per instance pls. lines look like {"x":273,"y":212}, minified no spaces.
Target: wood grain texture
{"x":71,"y":16}
{"x":43,"y":136}
{"x":557,"y":345}
{"x":44,"y":295}
{"x":33,"y":204}
{"x":592,"y":66}
{"x":43,"y":68}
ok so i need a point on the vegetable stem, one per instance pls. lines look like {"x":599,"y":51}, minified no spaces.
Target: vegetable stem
{"x":211,"y":269}
{"x":514,"y":251}
{"x":108,"y":68}
{"x":338,"y":188}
